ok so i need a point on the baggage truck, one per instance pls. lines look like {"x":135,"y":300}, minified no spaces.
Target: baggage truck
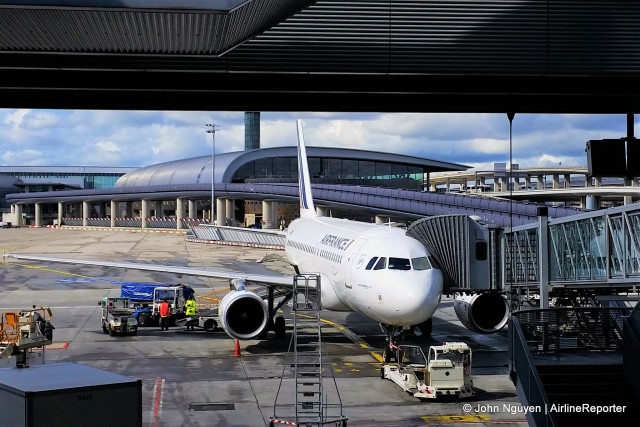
{"x":146,"y":298}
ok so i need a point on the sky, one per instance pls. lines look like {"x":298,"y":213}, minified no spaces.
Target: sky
{"x":141,"y":138}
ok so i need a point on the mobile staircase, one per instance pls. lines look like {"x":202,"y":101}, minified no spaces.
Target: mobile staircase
{"x":311,"y":406}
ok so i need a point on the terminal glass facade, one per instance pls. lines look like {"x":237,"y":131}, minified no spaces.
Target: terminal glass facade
{"x":333,"y":170}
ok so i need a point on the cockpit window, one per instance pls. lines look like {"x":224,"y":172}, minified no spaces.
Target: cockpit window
{"x":399,"y":264}
{"x":421,"y":263}
{"x":381,"y":264}
{"x":371,"y":262}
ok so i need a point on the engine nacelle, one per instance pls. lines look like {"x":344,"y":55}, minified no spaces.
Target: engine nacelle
{"x":243,"y":314}
{"x":328,"y":296}
{"x":486,"y":312}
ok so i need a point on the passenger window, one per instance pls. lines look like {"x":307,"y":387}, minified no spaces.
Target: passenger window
{"x":371,"y":262}
{"x":381,"y":264}
{"x":399,"y":264}
{"x":420,"y":263}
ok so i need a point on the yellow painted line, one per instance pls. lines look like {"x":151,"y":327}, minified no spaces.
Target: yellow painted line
{"x":376,"y":356}
{"x":455,"y":419}
{"x":53,"y":271}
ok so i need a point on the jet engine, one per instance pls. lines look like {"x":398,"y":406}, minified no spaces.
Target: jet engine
{"x":485,"y":312}
{"x":243,"y":314}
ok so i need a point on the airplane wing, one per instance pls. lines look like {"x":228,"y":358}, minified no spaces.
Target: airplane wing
{"x":259,"y":279}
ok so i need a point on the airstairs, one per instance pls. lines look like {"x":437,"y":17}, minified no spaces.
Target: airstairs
{"x":311,"y":407}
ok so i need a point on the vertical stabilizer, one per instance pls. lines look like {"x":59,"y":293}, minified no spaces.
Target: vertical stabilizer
{"x":307,"y":208}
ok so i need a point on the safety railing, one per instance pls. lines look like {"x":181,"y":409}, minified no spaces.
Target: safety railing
{"x":631,"y":332}
{"x":574,"y":329}
{"x":234,"y":235}
{"x":525,"y":377}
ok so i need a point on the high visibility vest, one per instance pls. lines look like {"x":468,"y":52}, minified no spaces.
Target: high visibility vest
{"x":164,"y":309}
{"x":190,"y":307}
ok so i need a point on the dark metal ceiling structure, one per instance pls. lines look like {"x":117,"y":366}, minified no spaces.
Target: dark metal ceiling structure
{"x":556,"y":56}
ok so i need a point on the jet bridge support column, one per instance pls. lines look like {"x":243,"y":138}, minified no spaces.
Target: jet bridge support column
{"x":230,"y":210}
{"x":144,"y":213}
{"x":543,"y":258}
{"x":179,"y":212}
{"x":38,"y":214}
{"x":60,"y":212}
{"x":86,"y":211}
{"x":221,"y":211}
{"x":18,"y":213}
{"x":192,"y":209}
{"x":114,"y":213}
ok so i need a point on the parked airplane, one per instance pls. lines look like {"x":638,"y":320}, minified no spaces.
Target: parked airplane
{"x":376,"y":270}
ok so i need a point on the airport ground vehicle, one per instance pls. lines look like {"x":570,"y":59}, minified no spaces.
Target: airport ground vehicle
{"x":146,"y":297}
{"x":207,"y":314}
{"x":22,"y":332}
{"x":117,"y":316}
{"x":446,"y":372}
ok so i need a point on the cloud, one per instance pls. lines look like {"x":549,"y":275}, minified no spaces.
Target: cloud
{"x":140,"y":138}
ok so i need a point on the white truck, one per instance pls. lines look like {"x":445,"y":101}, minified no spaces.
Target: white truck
{"x":117,"y":316}
{"x":146,"y":299}
{"x":446,"y":372}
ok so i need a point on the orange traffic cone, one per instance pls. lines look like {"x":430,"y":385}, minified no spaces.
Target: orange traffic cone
{"x":236,"y":351}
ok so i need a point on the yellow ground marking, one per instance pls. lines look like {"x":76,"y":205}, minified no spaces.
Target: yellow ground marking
{"x":455,"y":418}
{"x":51,"y":270}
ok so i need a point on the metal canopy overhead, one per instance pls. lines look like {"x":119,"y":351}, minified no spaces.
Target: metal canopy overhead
{"x":557,"y":56}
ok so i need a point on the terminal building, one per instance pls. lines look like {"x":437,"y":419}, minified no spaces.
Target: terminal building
{"x":37,"y":179}
{"x":183,"y":189}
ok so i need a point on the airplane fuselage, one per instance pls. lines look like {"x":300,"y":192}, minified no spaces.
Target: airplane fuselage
{"x":376,"y":270}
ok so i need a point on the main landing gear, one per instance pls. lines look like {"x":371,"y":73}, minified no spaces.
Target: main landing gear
{"x":395,"y":333}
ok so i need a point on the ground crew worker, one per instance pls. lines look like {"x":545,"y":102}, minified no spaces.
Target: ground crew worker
{"x":165,"y":312}
{"x":190,"y":310}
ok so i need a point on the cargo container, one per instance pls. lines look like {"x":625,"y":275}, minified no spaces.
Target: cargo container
{"x":68,"y":395}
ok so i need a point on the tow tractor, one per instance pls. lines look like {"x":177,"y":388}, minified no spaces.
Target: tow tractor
{"x":23,"y":332}
{"x":117,"y":316}
{"x":447,"y":371}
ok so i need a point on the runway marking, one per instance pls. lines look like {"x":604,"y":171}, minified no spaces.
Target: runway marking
{"x":157,"y":402}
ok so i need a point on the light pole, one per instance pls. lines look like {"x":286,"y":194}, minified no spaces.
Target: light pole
{"x":212,"y":130}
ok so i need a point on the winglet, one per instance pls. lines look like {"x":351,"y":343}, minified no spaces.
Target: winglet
{"x":307,"y":208}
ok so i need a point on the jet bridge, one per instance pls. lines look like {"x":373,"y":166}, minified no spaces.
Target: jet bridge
{"x":576,"y":259}
{"x":586,"y":260}
{"x":467,"y":252}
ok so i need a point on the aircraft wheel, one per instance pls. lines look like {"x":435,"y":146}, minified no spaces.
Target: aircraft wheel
{"x":387,"y":354}
{"x":279,"y":327}
{"x":210,"y":325}
{"x":426,"y":327}
{"x":111,"y":332}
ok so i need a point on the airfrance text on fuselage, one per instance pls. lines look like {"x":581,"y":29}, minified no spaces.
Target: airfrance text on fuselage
{"x":335,"y":241}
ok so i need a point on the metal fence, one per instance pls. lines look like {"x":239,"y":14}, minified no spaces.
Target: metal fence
{"x":247,"y":236}
{"x":526,"y":378}
{"x":575,"y":329}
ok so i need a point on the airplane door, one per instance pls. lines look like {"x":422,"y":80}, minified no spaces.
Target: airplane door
{"x":357,"y":261}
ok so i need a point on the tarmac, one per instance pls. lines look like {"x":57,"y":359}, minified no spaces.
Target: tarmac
{"x":197,"y":378}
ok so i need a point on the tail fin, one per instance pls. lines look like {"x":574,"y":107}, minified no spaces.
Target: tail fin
{"x":307,"y":208}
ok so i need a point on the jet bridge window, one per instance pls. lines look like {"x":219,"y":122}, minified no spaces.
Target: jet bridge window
{"x":399,"y":264}
{"x":421,"y":263}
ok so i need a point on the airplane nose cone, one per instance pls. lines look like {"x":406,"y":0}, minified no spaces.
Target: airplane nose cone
{"x":424,"y":300}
